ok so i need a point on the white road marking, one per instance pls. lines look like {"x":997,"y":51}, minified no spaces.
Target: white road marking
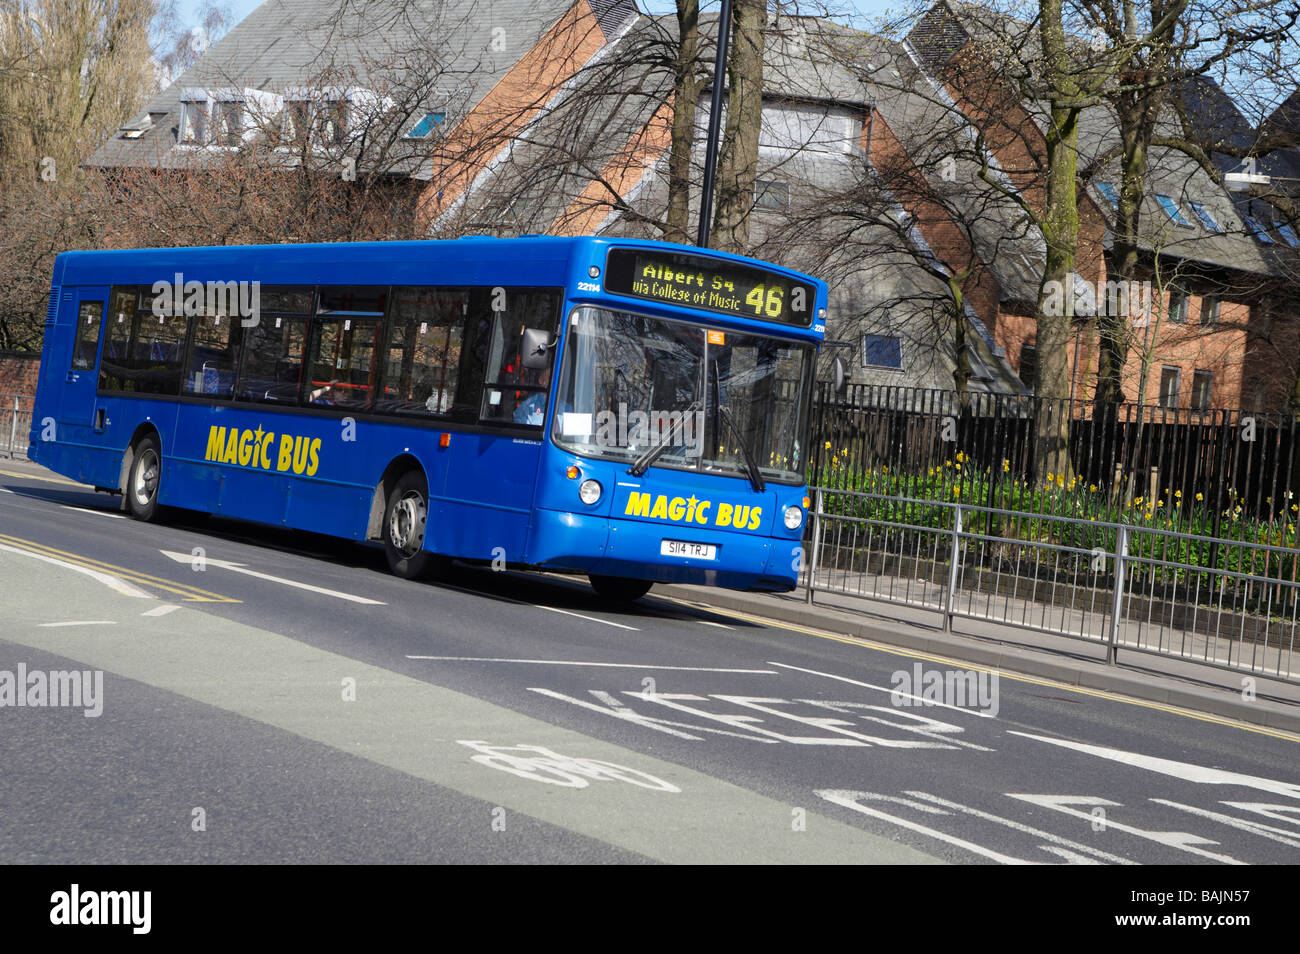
{"x":927,"y":703}
{"x":113,"y":582}
{"x":84,"y":622}
{"x":706,"y":622}
{"x":1026,"y":829}
{"x":1256,"y":828}
{"x":1182,"y":770}
{"x":593,"y":619}
{"x":1183,"y":841}
{"x":613,"y":707}
{"x":851,"y":800}
{"x":607,"y":665}
{"x":5,"y":490}
{"x":241,"y":568}
{"x":101,"y":513}
{"x":161,"y":610}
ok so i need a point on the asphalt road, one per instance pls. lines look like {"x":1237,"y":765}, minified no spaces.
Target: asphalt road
{"x":275,"y":696}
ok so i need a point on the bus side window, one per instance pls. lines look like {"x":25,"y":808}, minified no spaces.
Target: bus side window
{"x":210,"y":370}
{"x":514,"y":393}
{"x":145,"y":353}
{"x":89,"y":321}
{"x":422,"y":352}
{"x":270,"y":367}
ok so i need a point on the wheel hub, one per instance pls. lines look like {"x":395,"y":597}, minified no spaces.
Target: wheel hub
{"x":406,"y":525}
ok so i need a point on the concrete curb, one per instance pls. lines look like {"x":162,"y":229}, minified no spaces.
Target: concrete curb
{"x":1041,"y":663}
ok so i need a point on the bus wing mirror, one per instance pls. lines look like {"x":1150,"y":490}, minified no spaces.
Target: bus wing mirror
{"x":537,"y":347}
{"x":839,"y":375}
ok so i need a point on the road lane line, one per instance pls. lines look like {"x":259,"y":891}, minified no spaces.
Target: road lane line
{"x":99,"y":513}
{"x":609,"y":665}
{"x":594,"y":619}
{"x":48,"y":480}
{"x":161,"y":610}
{"x":108,"y":579}
{"x":241,"y":568}
{"x":189,"y":594}
{"x":706,"y":622}
{"x":83,"y":622}
{"x":891,"y":691}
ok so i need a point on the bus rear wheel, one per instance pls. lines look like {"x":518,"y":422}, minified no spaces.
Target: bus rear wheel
{"x":406,"y":517}
{"x":619,"y":589}
{"x":144,"y":479}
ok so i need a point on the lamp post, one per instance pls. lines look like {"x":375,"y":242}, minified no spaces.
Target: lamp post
{"x":715,"y":123}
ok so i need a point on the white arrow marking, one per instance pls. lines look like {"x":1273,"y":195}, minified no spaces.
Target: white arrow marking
{"x":1183,"y":770}
{"x":1181,"y":840}
{"x":240,"y":568}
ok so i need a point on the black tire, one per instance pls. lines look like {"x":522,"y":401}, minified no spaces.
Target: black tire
{"x":405,"y":518}
{"x":619,"y":589}
{"x":144,"y":480}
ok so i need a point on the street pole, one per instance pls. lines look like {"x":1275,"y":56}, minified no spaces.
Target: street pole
{"x":715,"y":123}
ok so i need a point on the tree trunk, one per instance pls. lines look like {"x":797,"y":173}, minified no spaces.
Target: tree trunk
{"x":686,"y":95}
{"x":738,"y":157}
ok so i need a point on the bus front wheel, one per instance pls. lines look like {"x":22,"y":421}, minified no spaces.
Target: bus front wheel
{"x":405,"y":519}
{"x":144,"y":479}
{"x":619,"y":589}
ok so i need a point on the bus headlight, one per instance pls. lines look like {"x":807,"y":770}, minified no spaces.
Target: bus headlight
{"x":793,"y":517}
{"x":589,"y":491}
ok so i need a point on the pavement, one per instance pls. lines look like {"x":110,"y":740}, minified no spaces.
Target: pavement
{"x":1136,"y":675}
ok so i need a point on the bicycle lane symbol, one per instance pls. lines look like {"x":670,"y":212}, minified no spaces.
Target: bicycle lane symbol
{"x":541,"y":764}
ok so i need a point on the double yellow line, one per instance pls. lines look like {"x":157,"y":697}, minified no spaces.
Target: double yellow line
{"x":185,"y":593}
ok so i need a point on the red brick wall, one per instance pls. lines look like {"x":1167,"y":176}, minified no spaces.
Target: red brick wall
{"x":18,"y":372}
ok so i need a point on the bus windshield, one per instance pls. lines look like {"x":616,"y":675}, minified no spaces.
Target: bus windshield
{"x":688,"y":396}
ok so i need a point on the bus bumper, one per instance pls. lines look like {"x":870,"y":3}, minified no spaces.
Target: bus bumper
{"x":630,"y":548}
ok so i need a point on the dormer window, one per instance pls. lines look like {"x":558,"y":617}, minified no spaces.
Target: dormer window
{"x":224,"y":117}
{"x":194,"y":124}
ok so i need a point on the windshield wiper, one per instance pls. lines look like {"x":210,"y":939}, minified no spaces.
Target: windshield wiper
{"x":755,"y":475}
{"x":652,"y":454}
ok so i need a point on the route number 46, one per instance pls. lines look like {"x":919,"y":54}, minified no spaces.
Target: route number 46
{"x":765,"y":301}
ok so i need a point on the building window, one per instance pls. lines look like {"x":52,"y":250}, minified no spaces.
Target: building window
{"x":194,"y":122}
{"x":1178,"y":305}
{"x":1258,"y":230}
{"x":230,"y":123}
{"x":425,"y":126}
{"x":1209,"y":311}
{"x":1202,"y":381}
{"x":882,"y":351}
{"x":1206,"y":216}
{"x":1029,"y":366}
{"x":772,"y":195}
{"x":1173,"y":210}
{"x":1169,"y":382}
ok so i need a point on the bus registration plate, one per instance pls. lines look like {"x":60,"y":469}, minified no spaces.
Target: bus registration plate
{"x":681,"y":548}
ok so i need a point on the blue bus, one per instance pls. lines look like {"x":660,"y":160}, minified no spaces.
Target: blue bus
{"x":630,"y":410}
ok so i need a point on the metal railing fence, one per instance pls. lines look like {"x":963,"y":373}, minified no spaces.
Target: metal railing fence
{"x":15,"y":424}
{"x":1127,"y":584}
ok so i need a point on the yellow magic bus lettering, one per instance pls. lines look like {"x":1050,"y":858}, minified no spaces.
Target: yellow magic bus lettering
{"x":692,"y":510}
{"x":254,"y":449}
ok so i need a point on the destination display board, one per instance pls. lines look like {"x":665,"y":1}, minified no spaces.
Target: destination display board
{"x":692,"y":281}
